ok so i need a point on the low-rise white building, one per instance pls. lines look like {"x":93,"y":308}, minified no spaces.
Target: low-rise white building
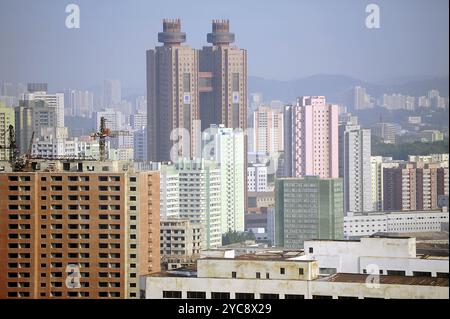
{"x":276,"y":275}
{"x":366,"y":224}
{"x":379,"y":255}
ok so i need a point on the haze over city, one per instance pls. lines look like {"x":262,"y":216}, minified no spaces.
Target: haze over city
{"x":285,"y":39}
{"x":246,"y":149}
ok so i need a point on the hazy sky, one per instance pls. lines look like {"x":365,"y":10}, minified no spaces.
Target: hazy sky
{"x":285,"y":39}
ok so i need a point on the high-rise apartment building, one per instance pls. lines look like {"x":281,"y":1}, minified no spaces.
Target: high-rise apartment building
{"x":172,"y":94}
{"x":311,"y":138}
{"x":78,"y":229}
{"x":48,"y":101}
{"x":36,"y":113}
{"x":200,"y":197}
{"x":387,"y":132}
{"x":355,"y":168}
{"x":308,"y":208}
{"x":268,"y":131}
{"x":223,"y":79}
{"x":414,"y":186}
{"x":228,"y":152}
{"x":170,"y":191}
{"x":78,"y":103}
{"x":6,"y":120}
{"x":378,"y":163}
{"x":112,"y":93}
{"x":361,"y":100}
{"x":115,"y":120}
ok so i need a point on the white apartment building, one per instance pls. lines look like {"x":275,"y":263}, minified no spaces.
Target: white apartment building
{"x":54,"y":142}
{"x":181,"y":242}
{"x":355,"y":167}
{"x":52,"y":101}
{"x":200,"y":197}
{"x":138,"y":121}
{"x":226,"y":147}
{"x":170,"y":192}
{"x":257,"y":178}
{"x":366,"y":224}
{"x":277,"y":275}
{"x":374,"y":255}
{"x":115,"y":120}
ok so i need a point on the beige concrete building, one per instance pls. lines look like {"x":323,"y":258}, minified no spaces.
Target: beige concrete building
{"x":281,"y":275}
{"x":223,"y":79}
{"x":172,"y":93}
{"x":181,"y":242}
{"x":77,"y":229}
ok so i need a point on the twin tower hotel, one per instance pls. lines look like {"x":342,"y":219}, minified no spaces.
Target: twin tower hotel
{"x":186,"y":85}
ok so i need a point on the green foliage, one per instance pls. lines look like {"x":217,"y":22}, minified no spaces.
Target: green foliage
{"x":401,"y":151}
{"x":233,"y":237}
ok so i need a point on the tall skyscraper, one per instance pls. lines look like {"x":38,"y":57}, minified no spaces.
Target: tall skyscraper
{"x":112,"y":93}
{"x":78,"y":230}
{"x":355,"y":167}
{"x":311,"y":138}
{"x":308,"y":208}
{"x":172,"y":93}
{"x":223,"y":79}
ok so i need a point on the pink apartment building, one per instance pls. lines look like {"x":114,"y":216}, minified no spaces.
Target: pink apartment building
{"x":311,"y":138}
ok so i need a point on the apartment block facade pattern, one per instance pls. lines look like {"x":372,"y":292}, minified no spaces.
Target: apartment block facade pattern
{"x":102,"y":221}
{"x":311,"y":138}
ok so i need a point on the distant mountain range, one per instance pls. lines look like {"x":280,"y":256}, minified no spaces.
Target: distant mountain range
{"x":337,"y":88}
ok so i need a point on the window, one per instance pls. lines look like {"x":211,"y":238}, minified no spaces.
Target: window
{"x":282,"y":271}
{"x":301,"y":271}
{"x":258,"y":275}
{"x":233,"y":274}
{"x":321,"y":297}
{"x":396,"y":273}
{"x":347,"y":297}
{"x":244,"y":296}
{"x":311,"y":250}
{"x":294,"y":296}
{"x":220,"y":295}
{"x":196,"y":295}
{"x":421,"y":274}
{"x":269,"y":296}
{"x":267,"y":275}
{"x":172,"y":294}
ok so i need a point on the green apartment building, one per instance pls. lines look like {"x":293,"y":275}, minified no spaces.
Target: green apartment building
{"x":308,"y":208}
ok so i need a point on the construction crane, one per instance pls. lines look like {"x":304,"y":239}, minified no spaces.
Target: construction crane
{"x":104,"y":133}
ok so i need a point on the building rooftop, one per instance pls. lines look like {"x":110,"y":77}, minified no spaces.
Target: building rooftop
{"x":388,"y":280}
